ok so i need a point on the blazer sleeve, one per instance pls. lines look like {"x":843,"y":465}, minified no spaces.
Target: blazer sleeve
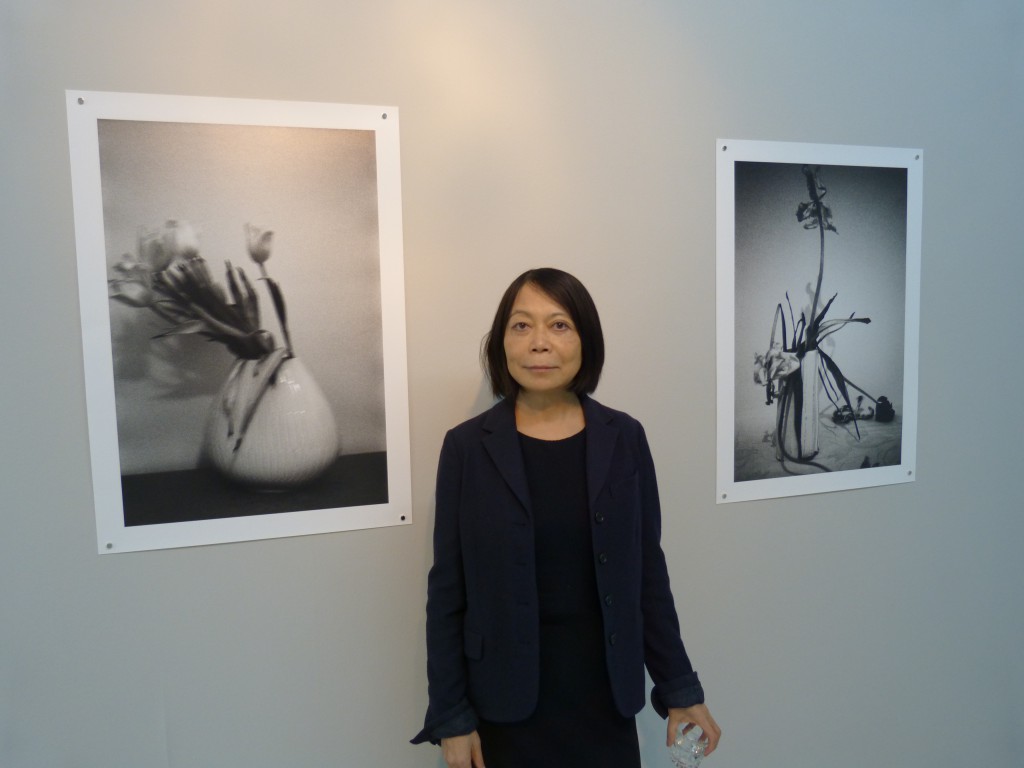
{"x":449,"y":711}
{"x":675,"y":682}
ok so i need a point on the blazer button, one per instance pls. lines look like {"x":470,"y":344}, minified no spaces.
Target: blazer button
{"x":602,"y":558}
{"x":608,"y":600}
{"x":612,"y":638}
{"x":599,"y":517}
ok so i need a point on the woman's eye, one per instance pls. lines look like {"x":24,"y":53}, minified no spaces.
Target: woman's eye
{"x":520,"y":326}
{"x":561,"y":325}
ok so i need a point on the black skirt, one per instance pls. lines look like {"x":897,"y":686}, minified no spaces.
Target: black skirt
{"x":575,"y":722}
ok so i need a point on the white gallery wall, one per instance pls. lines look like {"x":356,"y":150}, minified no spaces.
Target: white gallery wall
{"x":880,"y":625}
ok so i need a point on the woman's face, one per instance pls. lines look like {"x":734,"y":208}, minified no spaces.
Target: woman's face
{"x":542,"y":346}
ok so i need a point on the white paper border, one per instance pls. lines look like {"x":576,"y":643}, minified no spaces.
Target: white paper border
{"x":728,"y":152}
{"x":85,"y":109}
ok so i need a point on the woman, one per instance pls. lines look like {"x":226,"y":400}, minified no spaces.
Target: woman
{"x":549,"y":591}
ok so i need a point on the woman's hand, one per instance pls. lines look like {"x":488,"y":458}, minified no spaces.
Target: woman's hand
{"x":464,"y":751}
{"x":698,"y":714}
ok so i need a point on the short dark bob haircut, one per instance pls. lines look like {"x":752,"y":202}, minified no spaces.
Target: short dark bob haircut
{"x":569,"y":293}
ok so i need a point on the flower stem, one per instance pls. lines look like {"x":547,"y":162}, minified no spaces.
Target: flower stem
{"x":821,"y":269}
{"x":279,"y":308}
{"x":819,"y":213}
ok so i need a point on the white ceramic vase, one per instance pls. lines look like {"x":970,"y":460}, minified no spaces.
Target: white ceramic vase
{"x":291,"y":437}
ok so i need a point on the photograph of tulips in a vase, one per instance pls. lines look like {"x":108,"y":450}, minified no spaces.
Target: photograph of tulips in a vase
{"x":269,"y":426}
{"x":820,"y":278}
{"x":252,"y":284}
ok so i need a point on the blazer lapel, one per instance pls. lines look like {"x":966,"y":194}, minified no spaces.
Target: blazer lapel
{"x":502,"y":443}
{"x":601,"y":436}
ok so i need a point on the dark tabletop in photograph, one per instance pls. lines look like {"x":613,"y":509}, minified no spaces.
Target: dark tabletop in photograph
{"x":203,"y":494}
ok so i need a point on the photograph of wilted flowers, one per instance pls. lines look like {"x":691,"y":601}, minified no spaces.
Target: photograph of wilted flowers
{"x":240,"y":382}
{"x":823,"y":392}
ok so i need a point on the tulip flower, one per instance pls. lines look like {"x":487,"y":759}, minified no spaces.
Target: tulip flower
{"x":775,"y":365}
{"x":180,"y":240}
{"x":134,"y":284}
{"x":134,"y":293}
{"x":153,"y":253}
{"x":168,"y":276}
{"x":259,"y":241}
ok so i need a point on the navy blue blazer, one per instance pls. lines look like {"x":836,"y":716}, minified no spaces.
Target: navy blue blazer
{"x":482,"y":605}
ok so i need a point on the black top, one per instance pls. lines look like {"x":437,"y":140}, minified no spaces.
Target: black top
{"x":556,"y":471}
{"x":575,"y":722}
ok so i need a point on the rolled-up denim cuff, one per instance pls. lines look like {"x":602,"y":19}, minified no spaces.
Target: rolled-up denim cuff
{"x":682,"y":692}
{"x":457,"y":721}
{"x":465,"y":722}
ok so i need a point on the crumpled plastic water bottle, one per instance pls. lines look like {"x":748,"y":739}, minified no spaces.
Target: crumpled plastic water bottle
{"x":688,"y":749}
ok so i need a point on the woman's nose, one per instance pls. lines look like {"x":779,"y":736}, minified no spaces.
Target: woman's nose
{"x":539,"y":340}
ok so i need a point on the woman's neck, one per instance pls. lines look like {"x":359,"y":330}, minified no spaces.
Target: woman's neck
{"x":549,"y":416}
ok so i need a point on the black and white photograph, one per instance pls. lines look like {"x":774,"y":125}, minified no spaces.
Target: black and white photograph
{"x":821,"y":285}
{"x":240,"y":273}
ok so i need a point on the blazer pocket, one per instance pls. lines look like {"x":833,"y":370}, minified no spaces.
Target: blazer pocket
{"x":473,"y":645}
